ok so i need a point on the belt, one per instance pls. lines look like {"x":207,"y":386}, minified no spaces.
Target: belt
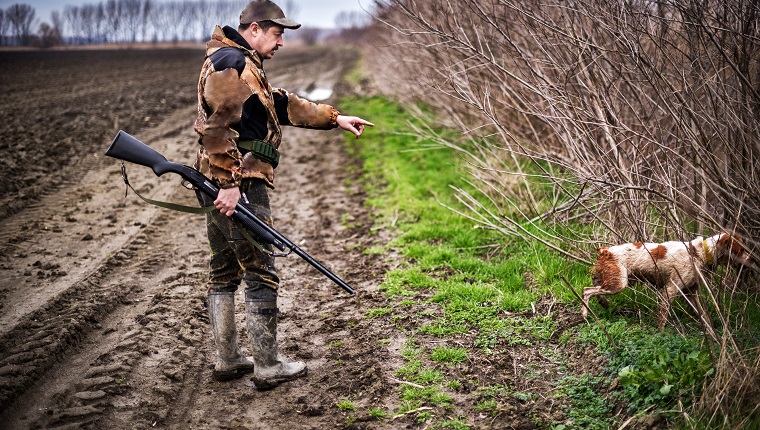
{"x":262,"y":150}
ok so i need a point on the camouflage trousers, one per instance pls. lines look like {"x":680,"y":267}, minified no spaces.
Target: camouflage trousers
{"x":233,"y":257}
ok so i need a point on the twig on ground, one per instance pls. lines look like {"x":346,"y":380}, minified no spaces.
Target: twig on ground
{"x":424,"y":408}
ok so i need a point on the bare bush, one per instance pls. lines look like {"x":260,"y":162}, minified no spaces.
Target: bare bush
{"x":637,"y":118}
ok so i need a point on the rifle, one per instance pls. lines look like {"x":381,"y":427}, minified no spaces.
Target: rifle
{"x":127,"y":148}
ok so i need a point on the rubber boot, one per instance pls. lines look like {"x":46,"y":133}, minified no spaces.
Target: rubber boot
{"x":270,"y":369}
{"x":230,"y":362}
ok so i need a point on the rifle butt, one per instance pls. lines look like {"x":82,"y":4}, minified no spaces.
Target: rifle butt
{"x":128,"y":148}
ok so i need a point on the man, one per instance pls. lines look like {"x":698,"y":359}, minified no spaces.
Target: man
{"x":238,"y":124}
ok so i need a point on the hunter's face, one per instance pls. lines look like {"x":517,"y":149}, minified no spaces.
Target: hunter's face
{"x":265,"y":42}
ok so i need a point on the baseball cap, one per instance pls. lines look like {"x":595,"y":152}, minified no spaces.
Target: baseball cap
{"x":266,"y":10}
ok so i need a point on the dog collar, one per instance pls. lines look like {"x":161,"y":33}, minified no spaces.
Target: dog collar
{"x":708,"y":256}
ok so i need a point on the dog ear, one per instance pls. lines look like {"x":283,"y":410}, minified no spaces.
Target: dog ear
{"x":722,"y":247}
{"x":732,"y":247}
{"x":737,"y":245}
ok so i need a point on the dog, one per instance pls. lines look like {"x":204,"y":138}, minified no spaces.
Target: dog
{"x":673,"y":267}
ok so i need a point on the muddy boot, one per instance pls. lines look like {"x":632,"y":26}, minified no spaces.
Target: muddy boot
{"x":230,"y":363}
{"x":270,"y":369}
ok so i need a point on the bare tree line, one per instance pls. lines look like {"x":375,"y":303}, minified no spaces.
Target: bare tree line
{"x":123,"y":21}
{"x":591,"y":122}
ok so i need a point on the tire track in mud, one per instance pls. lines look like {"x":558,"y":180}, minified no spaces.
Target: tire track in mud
{"x":63,"y":237}
{"x":156,"y":357}
{"x":104,"y":371}
{"x":42,"y":338}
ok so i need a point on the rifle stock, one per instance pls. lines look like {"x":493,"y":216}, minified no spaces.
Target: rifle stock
{"x":127,"y":148}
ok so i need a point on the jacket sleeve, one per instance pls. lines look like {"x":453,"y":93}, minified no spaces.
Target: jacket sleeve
{"x":303,"y":113}
{"x":224,"y":95}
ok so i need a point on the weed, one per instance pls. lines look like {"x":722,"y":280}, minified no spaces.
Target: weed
{"x":407,"y":405}
{"x":655,"y":367}
{"x":453,"y":385}
{"x":444,"y":327}
{"x":410,"y":349}
{"x":494,"y":391}
{"x":429,"y":376}
{"x":397,"y":283}
{"x":489,"y":406}
{"x":378,"y":413}
{"x":410,"y":392}
{"x":372,"y":313}
{"x":589,"y":410}
{"x":375,"y":250}
{"x":424,"y":416}
{"x":447,"y":355}
{"x":411,"y":368}
{"x":523,"y":397}
{"x":666,"y":378}
{"x":439,"y":398}
{"x":540,"y":327}
{"x":346,"y":405}
{"x":455,"y":424}
{"x":493,"y":331}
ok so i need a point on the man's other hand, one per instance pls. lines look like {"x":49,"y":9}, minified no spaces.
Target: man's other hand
{"x":227,"y":199}
{"x":354,"y":124}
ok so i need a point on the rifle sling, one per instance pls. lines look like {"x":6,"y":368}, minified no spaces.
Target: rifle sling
{"x":190,"y":209}
{"x":168,"y":205}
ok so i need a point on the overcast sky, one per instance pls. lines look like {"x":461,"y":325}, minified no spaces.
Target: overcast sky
{"x":313,"y":13}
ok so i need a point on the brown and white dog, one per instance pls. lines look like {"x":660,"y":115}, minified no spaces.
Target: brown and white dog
{"x":671,"y":266}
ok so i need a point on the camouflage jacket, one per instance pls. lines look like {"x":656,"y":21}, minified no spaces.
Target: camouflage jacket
{"x":236,"y":104}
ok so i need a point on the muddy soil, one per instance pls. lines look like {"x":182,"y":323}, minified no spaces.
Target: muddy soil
{"x":103,"y":319}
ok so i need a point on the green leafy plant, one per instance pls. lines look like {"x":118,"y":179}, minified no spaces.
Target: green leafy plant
{"x":489,"y":406}
{"x":589,"y":410}
{"x":666,"y":378}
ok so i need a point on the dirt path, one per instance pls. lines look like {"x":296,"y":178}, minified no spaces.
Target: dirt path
{"x":103,"y":321}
